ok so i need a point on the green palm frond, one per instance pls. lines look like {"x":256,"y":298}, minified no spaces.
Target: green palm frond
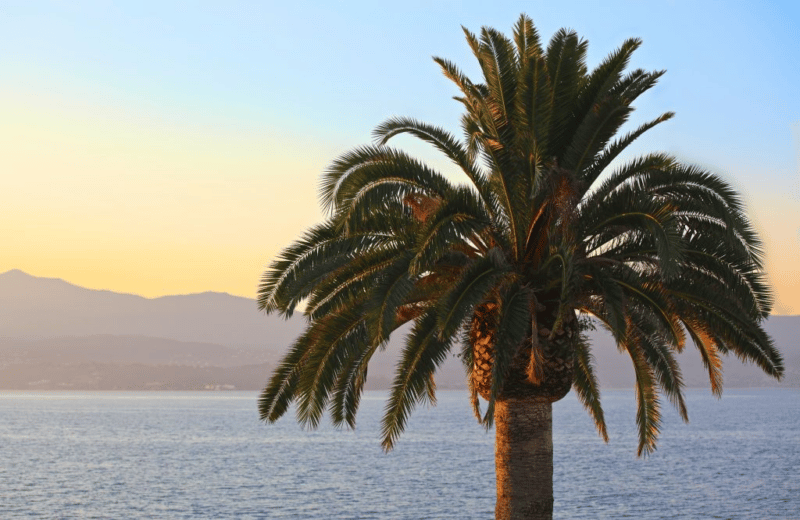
{"x":526,"y":38}
{"x":513,"y":326}
{"x":301,"y":273}
{"x":602,"y":160}
{"x":472,"y":136}
{"x":598,"y":114}
{"x":534,"y":93}
{"x":478,"y":279}
{"x":439,"y":138}
{"x":714,"y":263}
{"x":380,"y":207}
{"x":566,"y":66}
{"x":388,"y":294}
{"x":626,"y":211}
{"x":731,"y":330}
{"x":279,"y":268}
{"x":648,"y":409}
{"x":460,"y":219}
{"x":349,"y":386}
{"x":690,"y":184}
{"x":355,"y":171}
{"x":424,"y":351}
{"x":454,"y":74}
{"x":653,"y":298}
{"x":380,"y":210}
{"x":603,"y":297}
{"x":337,"y":337}
{"x":707,"y":346}
{"x":351,"y":282}
{"x":624,"y":175}
{"x":656,"y":345}
{"x":586,"y":386}
{"x":342,"y":167}
{"x":499,"y":64}
{"x":282,"y":387}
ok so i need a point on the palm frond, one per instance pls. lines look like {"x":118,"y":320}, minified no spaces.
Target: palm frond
{"x":387,"y":295}
{"x":585,"y":384}
{"x":656,"y":344}
{"x":424,"y":351}
{"x":652,"y":298}
{"x":352,"y":282}
{"x":458,"y":220}
{"x":439,"y":138}
{"x":300,"y":279}
{"x":349,"y":386}
{"x":478,"y":278}
{"x":353,"y":172}
{"x":624,"y":175}
{"x":526,"y":38}
{"x":282,"y":387}
{"x":499,"y":64}
{"x":603,"y":297}
{"x":566,"y":65}
{"x":279,"y":268}
{"x":595,"y":108}
{"x":338,"y":336}
{"x":454,"y":74}
{"x":590,"y":174}
{"x":707,"y":346}
{"x":513,"y":326}
{"x":628,"y":209}
{"x":731,"y":330}
{"x":648,"y":413}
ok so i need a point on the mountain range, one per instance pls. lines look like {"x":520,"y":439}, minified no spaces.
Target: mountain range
{"x":56,"y":335}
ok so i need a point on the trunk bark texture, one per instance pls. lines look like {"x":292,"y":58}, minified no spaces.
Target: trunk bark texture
{"x":554,"y":355}
{"x":524,"y":459}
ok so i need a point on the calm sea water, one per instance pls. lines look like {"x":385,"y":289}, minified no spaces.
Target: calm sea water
{"x":205,"y":455}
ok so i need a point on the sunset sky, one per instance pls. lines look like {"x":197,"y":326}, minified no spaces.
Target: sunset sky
{"x":175,"y":147}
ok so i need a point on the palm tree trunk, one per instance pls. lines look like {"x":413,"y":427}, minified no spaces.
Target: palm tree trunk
{"x":524,"y":459}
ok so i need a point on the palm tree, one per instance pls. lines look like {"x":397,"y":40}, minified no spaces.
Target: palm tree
{"x":544,"y":238}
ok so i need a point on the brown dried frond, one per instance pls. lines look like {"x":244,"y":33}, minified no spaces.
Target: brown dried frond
{"x":421,"y":205}
{"x":409,"y":312}
{"x":711,"y":359}
{"x":535,"y":368}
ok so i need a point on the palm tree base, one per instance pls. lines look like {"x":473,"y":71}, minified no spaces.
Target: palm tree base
{"x":524,"y":459}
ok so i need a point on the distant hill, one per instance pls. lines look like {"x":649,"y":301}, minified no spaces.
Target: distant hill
{"x":106,"y":348}
{"x":56,"y":335}
{"x":38,"y":308}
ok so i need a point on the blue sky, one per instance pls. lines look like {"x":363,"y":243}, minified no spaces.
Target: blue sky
{"x":301,"y":66}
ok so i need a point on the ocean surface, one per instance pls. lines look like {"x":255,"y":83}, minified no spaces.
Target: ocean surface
{"x":206,"y":455}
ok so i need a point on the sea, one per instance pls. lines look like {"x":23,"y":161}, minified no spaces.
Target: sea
{"x":173,"y":455}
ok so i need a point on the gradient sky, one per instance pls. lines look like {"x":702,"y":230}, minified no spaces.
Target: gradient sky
{"x":174,"y":147}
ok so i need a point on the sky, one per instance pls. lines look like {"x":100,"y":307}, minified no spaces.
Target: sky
{"x":175,"y":147}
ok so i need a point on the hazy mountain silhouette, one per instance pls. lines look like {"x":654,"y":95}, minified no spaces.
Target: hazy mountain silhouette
{"x":54,"y":334}
{"x":105,"y":348}
{"x":38,"y":308}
